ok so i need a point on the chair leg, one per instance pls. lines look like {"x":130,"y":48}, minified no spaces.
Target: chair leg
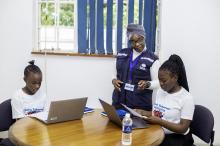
{"x":212,"y":138}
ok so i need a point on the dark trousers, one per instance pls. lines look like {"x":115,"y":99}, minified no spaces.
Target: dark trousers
{"x":177,"y":140}
{"x":6,"y":142}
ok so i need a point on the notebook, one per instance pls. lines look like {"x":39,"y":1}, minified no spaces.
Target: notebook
{"x":114,"y":117}
{"x":63,"y":110}
{"x":121,"y":113}
{"x":88,"y":110}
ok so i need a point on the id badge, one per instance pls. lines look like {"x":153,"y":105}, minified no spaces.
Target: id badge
{"x":129,"y":87}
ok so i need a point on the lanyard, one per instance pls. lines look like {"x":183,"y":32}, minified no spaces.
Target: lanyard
{"x":132,"y":64}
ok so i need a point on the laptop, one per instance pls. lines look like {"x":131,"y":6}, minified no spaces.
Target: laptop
{"x":113,"y":117}
{"x":63,"y":110}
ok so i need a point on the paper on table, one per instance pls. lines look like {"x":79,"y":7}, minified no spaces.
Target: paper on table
{"x":133,"y":112}
{"x":41,"y":115}
{"x":88,"y":110}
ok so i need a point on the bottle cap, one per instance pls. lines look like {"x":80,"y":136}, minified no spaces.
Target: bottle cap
{"x":127,"y":115}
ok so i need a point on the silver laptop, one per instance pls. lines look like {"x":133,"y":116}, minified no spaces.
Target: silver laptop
{"x":114,"y":117}
{"x":63,"y":110}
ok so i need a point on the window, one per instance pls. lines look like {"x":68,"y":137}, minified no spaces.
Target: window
{"x":55,"y":25}
{"x":91,"y":26}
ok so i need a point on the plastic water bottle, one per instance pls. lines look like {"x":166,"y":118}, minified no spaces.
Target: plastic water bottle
{"x":126,"y":130}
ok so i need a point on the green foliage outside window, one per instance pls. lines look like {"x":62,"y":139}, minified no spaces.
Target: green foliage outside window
{"x":47,"y":14}
{"x":66,"y":14}
{"x":125,"y":14}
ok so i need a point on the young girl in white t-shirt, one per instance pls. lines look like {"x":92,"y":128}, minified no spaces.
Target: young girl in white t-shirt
{"x":174,"y":106}
{"x":30,"y":99}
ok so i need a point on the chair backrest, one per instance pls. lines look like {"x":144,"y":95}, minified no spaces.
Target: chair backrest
{"x":6,"y":115}
{"x":202,"y":124}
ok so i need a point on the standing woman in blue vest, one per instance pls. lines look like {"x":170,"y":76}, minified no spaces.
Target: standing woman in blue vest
{"x":137,"y":69}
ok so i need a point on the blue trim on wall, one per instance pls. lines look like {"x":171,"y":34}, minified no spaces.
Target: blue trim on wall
{"x":100,"y":28}
{"x":82,"y":21}
{"x":109,"y":27}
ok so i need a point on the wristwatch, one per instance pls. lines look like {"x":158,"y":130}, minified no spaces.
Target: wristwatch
{"x":148,"y":85}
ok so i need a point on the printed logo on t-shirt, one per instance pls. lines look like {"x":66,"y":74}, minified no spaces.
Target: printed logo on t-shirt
{"x":159,"y":110}
{"x":158,"y":113}
{"x":29,"y":111}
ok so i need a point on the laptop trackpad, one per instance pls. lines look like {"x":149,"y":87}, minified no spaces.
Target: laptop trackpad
{"x":139,"y":123}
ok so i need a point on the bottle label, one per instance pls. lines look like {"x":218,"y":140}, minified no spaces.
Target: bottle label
{"x":127,"y":129}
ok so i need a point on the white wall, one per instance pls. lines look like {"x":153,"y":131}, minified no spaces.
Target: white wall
{"x":189,"y":28}
{"x":67,"y":77}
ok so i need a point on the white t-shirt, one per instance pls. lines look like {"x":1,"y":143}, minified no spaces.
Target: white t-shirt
{"x":173,"y":107}
{"x":24,"y":104}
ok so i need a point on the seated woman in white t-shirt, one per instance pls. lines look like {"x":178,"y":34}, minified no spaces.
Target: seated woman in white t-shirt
{"x":30,"y":99}
{"x":174,"y":105}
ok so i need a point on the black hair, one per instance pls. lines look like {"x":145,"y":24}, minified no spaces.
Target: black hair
{"x":31,"y":68}
{"x":175,"y":65}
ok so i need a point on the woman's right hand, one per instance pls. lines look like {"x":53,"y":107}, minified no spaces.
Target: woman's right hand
{"x":117,"y":84}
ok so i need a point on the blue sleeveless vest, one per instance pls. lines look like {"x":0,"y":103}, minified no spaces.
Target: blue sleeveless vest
{"x":139,"y":99}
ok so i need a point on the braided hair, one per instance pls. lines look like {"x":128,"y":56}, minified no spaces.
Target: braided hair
{"x":31,"y":68}
{"x":175,"y":65}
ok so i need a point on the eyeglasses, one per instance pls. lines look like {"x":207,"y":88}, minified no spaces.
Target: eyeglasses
{"x":140,"y":41}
